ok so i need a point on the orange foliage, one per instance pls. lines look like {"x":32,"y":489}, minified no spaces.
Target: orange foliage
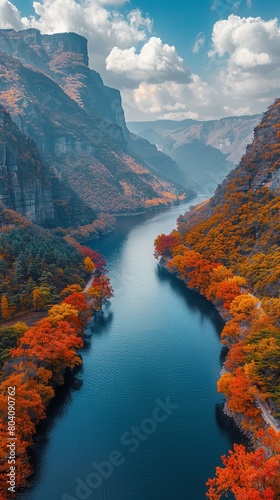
{"x":164,"y":244}
{"x":38,"y":365}
{"x":248,"y":475}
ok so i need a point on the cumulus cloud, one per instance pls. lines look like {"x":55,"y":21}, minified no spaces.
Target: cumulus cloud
{"x":238,"y":111}
{"x":249,"y":50}
{"x":249,"y":42}
{"x":98,"y":20}
{"x":173,"y":100}
{"x":199,"y":42}
{"x":156,"y":98}
{"x":179,"y":116}
{"x":10,"y":16}
{"x":243,"y":75}
{"x":156,"y":62}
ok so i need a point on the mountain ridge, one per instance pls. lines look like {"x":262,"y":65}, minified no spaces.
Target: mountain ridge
{"x":78,"y":125}
{"x":205,"y":150}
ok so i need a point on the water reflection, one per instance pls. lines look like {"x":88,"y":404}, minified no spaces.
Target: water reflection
{"x":194,"y":301}
{"x":99,"y":325}
{"x":102,"y":322}
{"x":57,"y":409}
{"x":223,"y":355}
{"x":229,"y":428}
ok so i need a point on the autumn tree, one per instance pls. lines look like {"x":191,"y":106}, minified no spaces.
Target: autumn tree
{"x":164,"y":244}
{"x":99,"y":292}
{"x":5,"y":310}
{"x":71,"y":289}
{"x":247,"y":475}
{"x":89,"y":265}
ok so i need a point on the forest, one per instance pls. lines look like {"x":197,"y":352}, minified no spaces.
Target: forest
{"x":41,"y":272}
{"x":227,"y":249}
{"x":35,"y":266}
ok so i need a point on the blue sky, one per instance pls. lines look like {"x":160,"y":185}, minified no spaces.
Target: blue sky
{"x":147,"y":49}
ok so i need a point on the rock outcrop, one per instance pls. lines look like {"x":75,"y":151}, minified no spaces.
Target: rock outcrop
{"x":79,"y":128}
{"x":25,"y":185}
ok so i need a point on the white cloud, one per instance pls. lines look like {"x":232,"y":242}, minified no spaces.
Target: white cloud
{"x":199,"y":42}
{"x":244,"y":71}
{"x":98,"y":20}
{"x":156,"y":62}
{"x":238,"y":111}
{"x":247,"y":41}
{"x":10,"y":16}
{"x":181,"y":100}
{"x":179,"y":116}
{"x":249,"y":53}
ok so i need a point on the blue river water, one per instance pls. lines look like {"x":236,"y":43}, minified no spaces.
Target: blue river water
{"x":142,"y":420}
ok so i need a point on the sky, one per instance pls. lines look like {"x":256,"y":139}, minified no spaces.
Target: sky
{"x":171,"y":59}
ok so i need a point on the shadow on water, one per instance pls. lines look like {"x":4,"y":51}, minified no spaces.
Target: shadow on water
{"x":195,"y":302}
{"x":205,"y":308}
{"x":228,"y":427}
{"x":62,"y":400}
{"x":102,"y":323}
{"x":56,"y":409}
{"x":223,"y":355}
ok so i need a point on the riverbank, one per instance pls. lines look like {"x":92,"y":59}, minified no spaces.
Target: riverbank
{"x":149,"y":211}
{"x":240,"y":419}
{"x":249,"y":334}
{"x":45,"y":351}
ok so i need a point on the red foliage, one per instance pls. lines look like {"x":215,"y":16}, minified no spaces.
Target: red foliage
{"x":248,"y":475}
{"x":96,"y":257}
{"x":164,"y":244}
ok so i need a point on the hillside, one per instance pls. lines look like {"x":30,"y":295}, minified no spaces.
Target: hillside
{"x":240,"y":225}
{"x":64,"y":58}
{"x":78,"y":126}
{"x":205,"y":151}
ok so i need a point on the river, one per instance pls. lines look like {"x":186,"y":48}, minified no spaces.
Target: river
{"x":145,"y":401}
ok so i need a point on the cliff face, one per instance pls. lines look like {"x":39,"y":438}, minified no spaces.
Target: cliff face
{"x":205,"y":151}
{"x":64,"y":58}
{"x":24,"y":182}
{"x":78,"y":126}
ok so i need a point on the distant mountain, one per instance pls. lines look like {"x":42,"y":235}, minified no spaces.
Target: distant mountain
{"x":205,"y":151}
{"x":78,"y":127}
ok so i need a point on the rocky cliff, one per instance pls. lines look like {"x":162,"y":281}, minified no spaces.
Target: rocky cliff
{"x":78,"y":126}
{"x":25,"y":185}
{"x":64,"y":58}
